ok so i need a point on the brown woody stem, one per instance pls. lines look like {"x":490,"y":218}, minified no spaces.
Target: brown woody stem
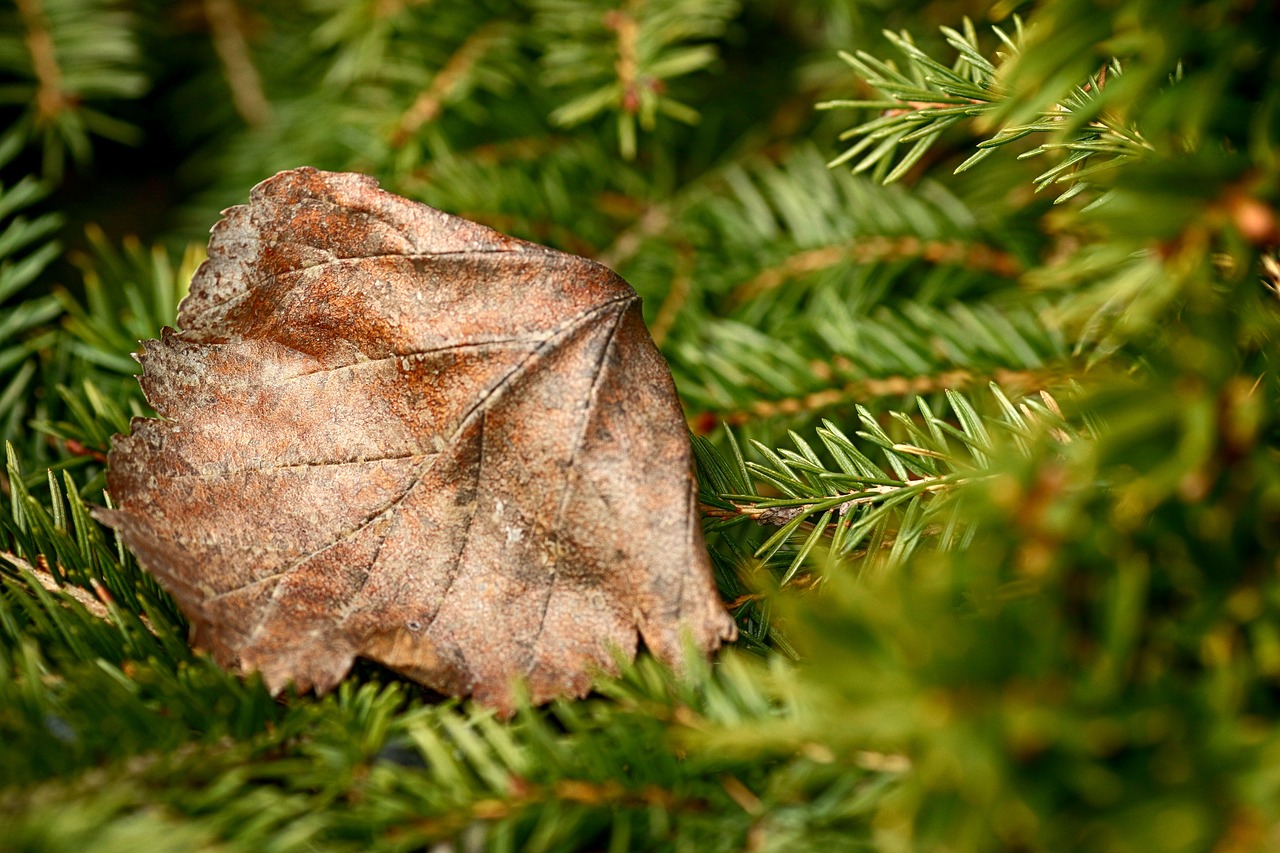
{"x":863,"y":389}
{"x":98,"y":604}
{"x":623,"y":22}
{"x":430,"y":103}
{"x":50,"y":98}
{"x":872,"y":249}
{"x":676,"y":297}
{"x":233,"y":51}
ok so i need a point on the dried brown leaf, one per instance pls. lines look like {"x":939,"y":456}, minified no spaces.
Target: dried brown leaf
{"x":394,"y":433}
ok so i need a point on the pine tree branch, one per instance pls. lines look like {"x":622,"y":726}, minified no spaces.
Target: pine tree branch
{"x":50,"y":99}
{"x":877,"y":249}
{"x":854,"y":509}
{"x":623,"y":22}
{"x":619,"y":60}
{"x":677,"y":295}
{"x":890,"y":387}
{"x":920,"y":107}
{"x":428,"y":105}
{"x":40,"y":573}
{"x":226,"y":22}
{"x":68,"y":56}
{"x":98,"y":604}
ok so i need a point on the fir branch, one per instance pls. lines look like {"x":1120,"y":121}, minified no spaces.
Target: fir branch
{"x":98,"y":604}
{"x":131,"y":292}
{"x":446,"y":82}
{"x":621,"y":60}
{"x":850,"y":507}
{"x":919,"y":108}
{"x":651,"y":222}
{"x":72,"y":70}
{"x":831,"y":354}
{"x":870,"y":250}
{"x":93,"y":603}
{"x":890,"y":387}
{"x":677,"y":296}
{"x":496,"y":185}
{"x":27,"y":248}
{"x":225,"y":21}
{"x":50,"y":98}
{"x":623,"y":22}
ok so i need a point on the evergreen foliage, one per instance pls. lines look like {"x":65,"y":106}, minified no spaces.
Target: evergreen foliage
{"x":973,"y":320}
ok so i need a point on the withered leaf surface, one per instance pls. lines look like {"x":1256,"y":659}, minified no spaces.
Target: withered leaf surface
{"x":394,"y":433}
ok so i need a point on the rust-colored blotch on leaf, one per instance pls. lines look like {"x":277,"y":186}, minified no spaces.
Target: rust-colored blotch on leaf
{"x":394,"y":433}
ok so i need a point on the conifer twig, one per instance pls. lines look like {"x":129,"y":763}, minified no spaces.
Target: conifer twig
{"x":677,"y":295}
{"x":525,"y":794}
{"x":779,"y":516}
{"x":429,"y":104}
{"x":98,"y":604}
{"x":233,"y":51}
{"x":971,"y":256}
{"x":623,"y":22}
{"x":45,"y":578}
{"x":864,"y":389}
{"x":50,"y":98}
{"x":650,"y":223}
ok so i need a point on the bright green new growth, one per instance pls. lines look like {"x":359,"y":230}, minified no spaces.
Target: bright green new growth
{"x":921,"y":107}
{"x":989,"y":458}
